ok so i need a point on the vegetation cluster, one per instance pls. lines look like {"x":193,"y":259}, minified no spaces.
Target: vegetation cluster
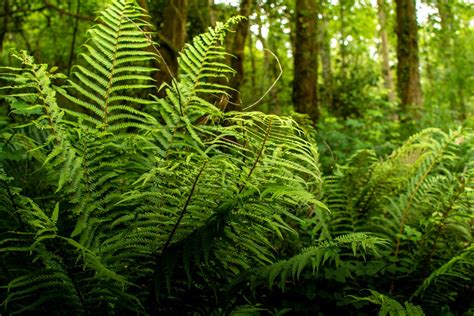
{"x":120,"y":197}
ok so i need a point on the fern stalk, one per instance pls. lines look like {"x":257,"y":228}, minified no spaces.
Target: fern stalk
{"x":185,"y":207}
{"x":259,"y":155}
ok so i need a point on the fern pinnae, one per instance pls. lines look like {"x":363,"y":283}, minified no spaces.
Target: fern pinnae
{"x":110,"y":60}
{"x":439,"y":153}
{"x":183,"y":211}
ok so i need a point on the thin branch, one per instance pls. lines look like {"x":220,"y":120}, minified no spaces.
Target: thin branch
{"x":259,"y":155}
{"x":11,"y":13}
{"x":62,"y":11}
{"x":273,"y":84}
{"x":152,"y":45}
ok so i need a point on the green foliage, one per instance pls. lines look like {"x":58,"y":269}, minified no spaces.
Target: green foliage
{"x":134,"y":195}
{"x":339,"y":138}
{"x":421,"y":199}
{"x":389,"y":306}
{"x":316,"y":256}
{"x":399,"y":226}
{"x":116,"y":201}
{"x":116,"y":60}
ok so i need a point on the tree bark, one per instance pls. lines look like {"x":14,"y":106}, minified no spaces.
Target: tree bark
{"x":73,"y":40}
{"x":449,"y":53}
{"x":237,"y":63}
{"x":264,"y":82}
{"x":342,"y":42}
{"x":387,"y":74}
{"x":4,"y":26}
{"x":202,"y":15}
{"x":325,"y":52}
{"x":172,"y":39}
{"x":212,"y":13}
{"x":253,"y":62}
{"x":408,"y":81}
{"x":305,"y":60}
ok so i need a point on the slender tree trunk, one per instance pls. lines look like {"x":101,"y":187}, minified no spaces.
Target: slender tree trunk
{"x":342,"y":42}
{"x":409,"y":87}
{"x":253,"y":63}
{"x":172,"y":39}
{"x":237,"y":63}
{"x":274,"y":69}
{"x":4,"y":26}
{"x":212,"y":13}
{"x":448,"y":53}
{"x":429,"y":66}
{"x":203,"y":11}
{"x":73,"y":40}
{"x":325,"y":52}
{"x":446,"y":19}
{"x":305,"y":60}
{"x":264,"y":82}
{"x":387,"y":74}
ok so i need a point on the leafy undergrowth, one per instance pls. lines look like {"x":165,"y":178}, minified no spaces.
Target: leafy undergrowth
{"x":113,"y":201}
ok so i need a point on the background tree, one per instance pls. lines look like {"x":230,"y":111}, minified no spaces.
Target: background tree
{"x":168,"y":204}
{"x":385,"y":51}
{"x":305,"y":80}
{"x":325,"y":54}
{"x":408,"y":67}
{"x":237,"y":62}
{"x":172,"y":37}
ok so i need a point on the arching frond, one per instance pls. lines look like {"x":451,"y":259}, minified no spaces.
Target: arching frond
{"x":115,"y":66}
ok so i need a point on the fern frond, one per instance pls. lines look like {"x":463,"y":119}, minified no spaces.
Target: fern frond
{"x":389,"y":306}
{"x":317,"y":256}
{"x":114,"y":67}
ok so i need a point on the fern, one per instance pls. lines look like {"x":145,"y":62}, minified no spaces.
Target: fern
{"x":319,"y":255}
{"x":389,"y":306}
{"x":112,"y":170}
{"x":134,"y":202}
{"x":420,"y":199}
{"x":116,"y":60}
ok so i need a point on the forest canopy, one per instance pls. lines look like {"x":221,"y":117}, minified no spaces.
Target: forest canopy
{"x":243,"y":157}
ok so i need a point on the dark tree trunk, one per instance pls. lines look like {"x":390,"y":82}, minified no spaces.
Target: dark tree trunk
{"x":4,"y":25}
{"x":387,"y":74}
{"x":237,"y":63}
{"x":73,"y":40}
{"x":305,"y":60}
{"x":172,"y":38}
{"x":409,"y":87}
{"x":202,"y":15}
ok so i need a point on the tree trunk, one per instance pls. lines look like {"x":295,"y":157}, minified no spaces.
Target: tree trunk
{"x":201,"y":12}
{"x":212,"y":13}
{"x":264,"y":82}
{"x":253,"y":62}
{"x":449,"y":51}
{"x":342,"y":42}
{"x":387,"y":74}
{"x":305,"y":60}
{"x":237,"y":63}
{"x":409,"y":87}
{"x":4,"y":26}
{"x":74,"y":35}
{"x":325,"y":52}
{"x":172,"y":38}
